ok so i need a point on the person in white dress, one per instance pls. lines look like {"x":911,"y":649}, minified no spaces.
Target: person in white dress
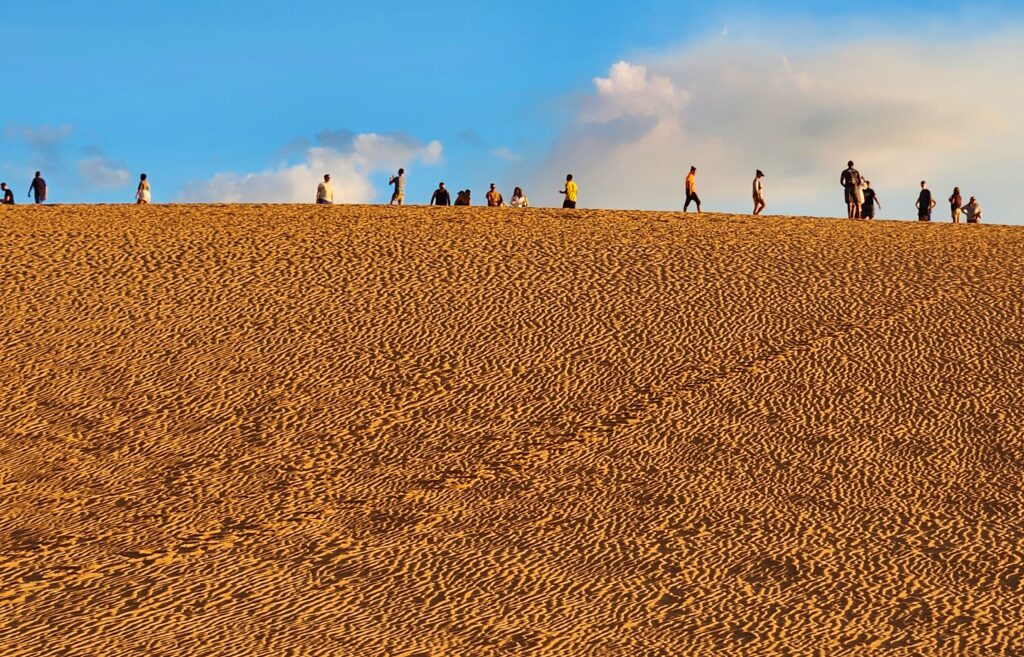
{"x":519,"y":199}
{"x":143,"y":195}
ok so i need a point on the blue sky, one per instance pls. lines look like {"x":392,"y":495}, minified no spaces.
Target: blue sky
{"x":189,"y":90}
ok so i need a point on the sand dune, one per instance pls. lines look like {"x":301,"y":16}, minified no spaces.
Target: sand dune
{"x":283,"y":430}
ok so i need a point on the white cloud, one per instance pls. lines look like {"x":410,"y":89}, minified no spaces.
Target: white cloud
{"x":98,"y":171}
{"x":44,"y":142}
{"x":350,"y":159}
{"x":902,"y":109}
{"x":505,"y":153}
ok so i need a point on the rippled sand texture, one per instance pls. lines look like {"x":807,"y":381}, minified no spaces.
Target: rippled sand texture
{"x":370,"y":431}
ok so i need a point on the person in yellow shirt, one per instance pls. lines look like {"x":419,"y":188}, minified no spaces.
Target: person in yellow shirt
{"x":691,"y":190}
{"x":570,"y":193}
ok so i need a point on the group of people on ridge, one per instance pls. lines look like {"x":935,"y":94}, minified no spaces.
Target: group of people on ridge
{"x":36,"y":189}
{"x":861,"y":199}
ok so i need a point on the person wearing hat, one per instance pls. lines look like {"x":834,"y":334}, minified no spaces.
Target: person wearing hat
{"x":759,"y":203}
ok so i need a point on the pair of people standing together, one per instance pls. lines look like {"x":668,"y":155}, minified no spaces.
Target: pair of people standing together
{"x":861,"y":199}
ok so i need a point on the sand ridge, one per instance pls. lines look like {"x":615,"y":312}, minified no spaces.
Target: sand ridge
{"x":295,"y":430}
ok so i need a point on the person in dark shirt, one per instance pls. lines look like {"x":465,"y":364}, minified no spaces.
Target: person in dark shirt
{"x":925,"y":203}
{"x":463,"y":198}
{"x":441,"y":196}
{"x":38,"y":188}
{"x":8,"y":194}
{"x":867,"y":210}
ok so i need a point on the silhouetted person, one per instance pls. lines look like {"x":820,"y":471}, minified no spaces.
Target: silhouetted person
{"x":867,"y":209}
{"x":325,"y":191}
{"x":38,"y":188}
{"x":519,"y":199}
{"x":973,"y":211}
{"x":8,"y":194}
{"x":494,"y":197}
{"x":691,"y":190}
{"x":398,"y":197}
{"x":441,"y":196}
{"x":463,"y":198}
{"x":570,"y":191}
{"x":759,"y":203}
{"x":850,"y":180}
{"x":143,"y":196}
{"x":925,"y":203}
{"x":956,"y":204}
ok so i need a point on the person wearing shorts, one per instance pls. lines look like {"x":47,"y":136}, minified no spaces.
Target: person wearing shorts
{"x":691,"y":190}
{"x":925,"y":203}
{"x":955,"y":204}
{"x":867,"y":209}
{"x":850,"y":180}
{"x":398,"y":197}
{"x":570,"y":191}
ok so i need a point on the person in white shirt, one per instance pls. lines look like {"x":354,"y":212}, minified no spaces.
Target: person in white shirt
{"x":142,"y":194}
{"x":973,"y":211}
{"x":759,"y":203}
{"x":519,"y":199}
{"x":324,"y":191}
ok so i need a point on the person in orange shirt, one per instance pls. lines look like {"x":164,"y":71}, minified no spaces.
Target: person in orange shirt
{"x":691,"y":190}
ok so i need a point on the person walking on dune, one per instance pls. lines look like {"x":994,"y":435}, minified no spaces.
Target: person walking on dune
{"x":325,"y":191}
{"x":38,"y":189}
{"x":691,"y":190}
{"x":398,"y":197}
{"x":955,"y":204}
{"x":759,"y":203}
{"x":143,"y":196}
{"x":494,"y":198}
{"x":441,"y":196}
{"x":519,"y":199}
{"x":867,"y":208}
{"x":973,"y":211}
{"x":8,"y":194}
{"x":570,"y":191}
{"x":925,"y":203}
{"x":850,"y":180}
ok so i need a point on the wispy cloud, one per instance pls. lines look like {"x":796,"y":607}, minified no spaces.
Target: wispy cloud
{"x":350,"y":159}
{"x":97,"y":171}
{"x":44,"y":141}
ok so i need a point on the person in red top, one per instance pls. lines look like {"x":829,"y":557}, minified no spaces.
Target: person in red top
{"x":38,"y":188}
{"x":691,"y":190}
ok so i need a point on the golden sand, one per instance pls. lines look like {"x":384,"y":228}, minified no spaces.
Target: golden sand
{"x":281,"y":430}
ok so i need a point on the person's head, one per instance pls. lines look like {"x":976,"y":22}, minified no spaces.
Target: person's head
{"x":956,"y":190}
{"x":469,"y":192}
{"x":693,"y":169}
{"x":518,"y":191}
{"x":440,"y":185}
{"x":401,"y":171}
{"x":923,"y":184}
{"x":38,"y":174}
{"x":568,"y":178}
{"x":850,"y":163}
{"x":142,"y":177}
{"x":3,"y":186}
{"x":974,"y":200}
{"x":867,"y":183}
{"x":760,"y":174}
{"x":327,"y":177}
{"x":493,"y":187}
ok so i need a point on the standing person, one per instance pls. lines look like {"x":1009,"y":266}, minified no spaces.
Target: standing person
{"x":142,"y":194}
{"x":691,"y":190}
{"x":925,"y":203}
{"x":570,"y":191}
{"x":850,"y":180}
{"x":494,"y":198}
{"x":8,"y":194}
{"x":398,"y":197}
{"x":867,"y":210}
{"x":38,"y":188}
{"x":955,"y":203}
{"x":759,"y":203}
{"x":973,"y":211}
{"x":325,"y":191}
{"x":519,"y":199}
{"x":441,"y":196}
